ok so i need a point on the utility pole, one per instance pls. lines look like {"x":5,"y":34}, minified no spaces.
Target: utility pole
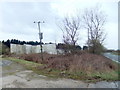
{"x":40,"y":37}
{"x":88,"y":40}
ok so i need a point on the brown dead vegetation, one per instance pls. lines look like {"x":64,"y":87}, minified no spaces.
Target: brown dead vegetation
{"x":74,"y":63}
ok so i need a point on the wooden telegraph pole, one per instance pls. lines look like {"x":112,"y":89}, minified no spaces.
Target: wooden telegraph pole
{"x":40,"y":37}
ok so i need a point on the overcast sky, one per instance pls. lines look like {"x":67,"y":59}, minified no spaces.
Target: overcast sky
{"x":16,"y":20}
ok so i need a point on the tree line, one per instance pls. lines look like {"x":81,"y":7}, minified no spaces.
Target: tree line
{"x":58,"y":46}
{"x":15,"y":41}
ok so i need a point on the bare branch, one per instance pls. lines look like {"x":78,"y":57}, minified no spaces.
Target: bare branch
{"x":70,"y":28}
{"x":94,"y":21}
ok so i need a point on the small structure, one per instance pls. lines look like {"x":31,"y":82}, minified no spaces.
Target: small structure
{"x":26,"y":49}
{"x":50,"y":48}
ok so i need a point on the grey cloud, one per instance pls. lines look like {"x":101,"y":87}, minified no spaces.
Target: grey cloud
{"x":18,"y":17}
{"x":24,"y":14}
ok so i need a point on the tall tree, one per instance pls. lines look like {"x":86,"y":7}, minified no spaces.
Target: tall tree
{"x":94,"y":20}
{"x":70,"y":27}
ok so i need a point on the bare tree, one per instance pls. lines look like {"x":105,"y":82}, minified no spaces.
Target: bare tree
{"x":94,"y":21}
{"x":70,"y":27}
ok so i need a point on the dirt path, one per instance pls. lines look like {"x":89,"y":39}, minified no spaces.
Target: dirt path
{"x":16,"y":76}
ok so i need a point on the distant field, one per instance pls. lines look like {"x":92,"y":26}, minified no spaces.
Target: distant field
{"x":116,"y":53}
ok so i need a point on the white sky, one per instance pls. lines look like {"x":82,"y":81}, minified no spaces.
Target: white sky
{"x":16,"y":19}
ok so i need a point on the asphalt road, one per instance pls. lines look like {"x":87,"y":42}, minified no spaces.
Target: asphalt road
{"x":113,"y":57}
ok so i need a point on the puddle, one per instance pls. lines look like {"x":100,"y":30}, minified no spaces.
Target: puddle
{"x":5,"y":63}
{"x":9,"y":67}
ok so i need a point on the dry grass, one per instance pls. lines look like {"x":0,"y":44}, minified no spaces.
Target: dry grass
{"x":81,"y":66}
{"x":74,"y":63}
